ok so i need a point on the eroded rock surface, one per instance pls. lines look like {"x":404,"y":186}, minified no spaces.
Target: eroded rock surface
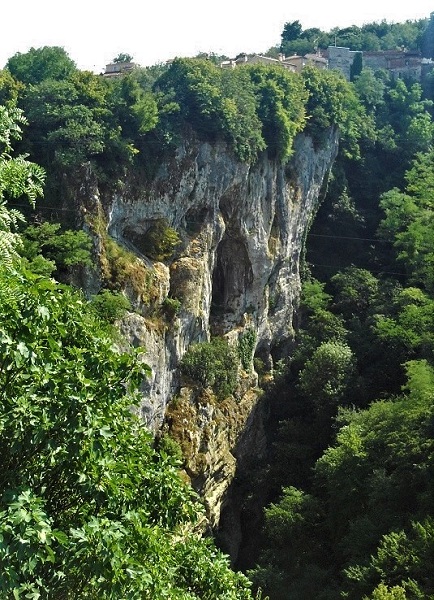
{"x":242,"y":229}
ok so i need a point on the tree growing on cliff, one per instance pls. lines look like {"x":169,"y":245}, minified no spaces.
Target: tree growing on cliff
{"x":212,"y":364}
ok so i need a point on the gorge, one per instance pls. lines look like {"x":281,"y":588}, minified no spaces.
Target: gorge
{"x":236,"y":270}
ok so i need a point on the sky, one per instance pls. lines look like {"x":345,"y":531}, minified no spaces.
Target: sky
{"x":93,"y":32}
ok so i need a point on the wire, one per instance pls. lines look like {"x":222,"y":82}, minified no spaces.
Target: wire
{"x":344,"y":237}
{"x":38,"y":206}
{"x":335,"y":237}
{"x":334,"y":267}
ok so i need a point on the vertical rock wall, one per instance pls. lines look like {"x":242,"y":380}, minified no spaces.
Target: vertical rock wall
{"x":242,"y":229}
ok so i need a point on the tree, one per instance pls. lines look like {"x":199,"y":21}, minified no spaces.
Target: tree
{"x":123,"y":57}
{"x":134,"y":109}
{"x":325,"y":375}
{"x":10,"y":89}
{"x":212,"y":364}
{"x":356,"y":291}
{"x":292,"y":41}
{"x":47,"y":248}
{"x":364,"y":529}
{"x":408,"y":221}
{"x":18,"y":178}
{"x":289,"y":566}
{"x":356,"y":66}
{"x":88,"y":507}
{"x":88,"y":118}
{"x":370,"y":89}
{"x":214,"y":102}
{"x":110,"y":306}
{"x":332,"y":102}
{"x":291,"y":31}
{"x":281,"y":107}
{"x":39,"y":64}
{"x":66,"y":122}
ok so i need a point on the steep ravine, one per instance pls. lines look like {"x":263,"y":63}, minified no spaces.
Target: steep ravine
{"x":242,"y":229}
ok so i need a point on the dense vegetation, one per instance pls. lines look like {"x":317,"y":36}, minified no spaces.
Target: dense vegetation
{"x":76,"y":116}
{"x":412,"y":35}
{"x":93,"y":507}
{"x":350,"y":471}
{"x":90,"y":506}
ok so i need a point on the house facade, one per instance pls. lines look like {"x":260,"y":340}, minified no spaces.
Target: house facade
{"x":118,"y":68}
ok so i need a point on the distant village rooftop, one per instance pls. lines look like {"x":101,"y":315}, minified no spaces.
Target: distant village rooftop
{"x":293,"y":63}
{"x":115,"y":69}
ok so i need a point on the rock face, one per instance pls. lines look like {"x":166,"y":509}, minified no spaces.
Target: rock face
{"x":237,"y":269}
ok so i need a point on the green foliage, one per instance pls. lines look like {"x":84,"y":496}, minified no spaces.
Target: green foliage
{"x":401,"y":558}
{"x":410,"y":326}
{"x":134,"y":108}
{"x":66,"y":120}
{"x":313,"y":296}
{"x":288,"y":566}
{"x":296,"y":41}
{"x":47,"y":248}
{"x":356,"y":290}
{"x":281,"y":101}
{"x":383,"y":592}
{"x":160,"y":241}
{"x":89,"y":508}
{"x":9,"y":89}
{"x":110,"y":306}
{"x":367,"y":520}
{"x":246,"y":348}
{"x":291,"y":31}
{"x":412,"y":35}
{"x":356,"y":66}
{"x":253,"y":107}
{"x":212,"y":364}
{"x":409,"y":221}
{"x":85,"y":117}
{"x":18,"y":178}
{"x":27,"y":538}
{"x":123,"y":57}
{"x":121,"y":268}
{"x":326,"y":374}
{"x":213,"y":103}
{"x":171,"y":307}
{"x":39,"y":64}
{"x":242,"y":123}
{"x":332,"y":102}
{"x":370,"y":89}
{"x":319,"y":324}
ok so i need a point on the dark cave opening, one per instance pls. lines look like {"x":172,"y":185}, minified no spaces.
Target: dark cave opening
{"x":232,"y":277}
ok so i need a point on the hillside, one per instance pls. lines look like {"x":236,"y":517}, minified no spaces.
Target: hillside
{"x":254,"y":252}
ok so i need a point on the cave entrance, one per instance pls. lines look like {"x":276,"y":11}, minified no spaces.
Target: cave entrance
{"x":232,"y":277}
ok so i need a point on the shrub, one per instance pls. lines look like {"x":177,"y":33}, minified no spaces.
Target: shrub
{"x":160,"y":241}
{"x":212,"y":364}
{"x":171,"y":307}
{"x":246,"y":347}
{"x":110,"y":306}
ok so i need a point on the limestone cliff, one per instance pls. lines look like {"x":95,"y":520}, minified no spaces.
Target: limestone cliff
{"x":242,"y":229}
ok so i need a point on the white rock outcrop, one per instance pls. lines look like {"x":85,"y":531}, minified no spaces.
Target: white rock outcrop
{"x":242,"y":229}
